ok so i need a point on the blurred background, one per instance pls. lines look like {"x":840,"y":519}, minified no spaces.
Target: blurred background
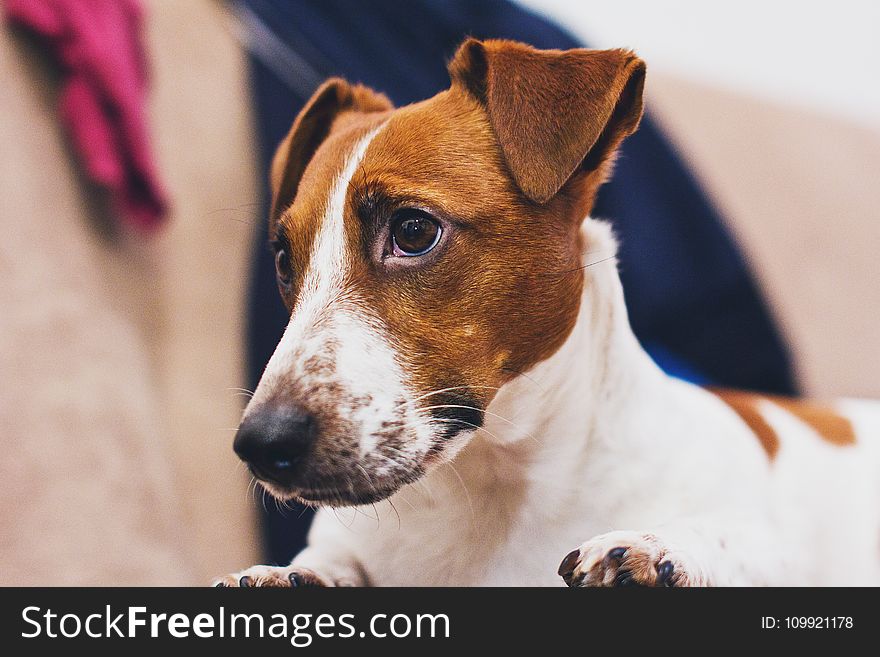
{"x":137,"y":301}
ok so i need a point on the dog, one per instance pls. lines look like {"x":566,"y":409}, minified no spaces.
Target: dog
{"x":459,"y":367}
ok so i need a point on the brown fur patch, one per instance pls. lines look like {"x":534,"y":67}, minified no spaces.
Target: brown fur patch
{"x":503,"y":289}
{"x":553,"y":111}
{"x":746,"y":406}
{"x":830,"y":425}
{"x":833,"y":427}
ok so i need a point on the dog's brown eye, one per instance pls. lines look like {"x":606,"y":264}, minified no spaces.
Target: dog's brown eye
{"x":282,"y":267}
{"x":414,"y":233}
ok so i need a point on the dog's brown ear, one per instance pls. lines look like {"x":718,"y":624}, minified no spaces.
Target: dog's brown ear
{"x":310,"y":129}
{"x":552,"y":111}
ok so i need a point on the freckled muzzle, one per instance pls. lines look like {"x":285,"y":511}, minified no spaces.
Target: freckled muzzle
{"x":320,"y":459}
{"x":316,"y":458}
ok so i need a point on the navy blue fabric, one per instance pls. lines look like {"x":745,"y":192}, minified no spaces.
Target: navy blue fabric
{"x":691,"y":298}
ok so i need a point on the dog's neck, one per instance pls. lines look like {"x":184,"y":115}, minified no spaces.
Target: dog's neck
{"x":556,"y":413}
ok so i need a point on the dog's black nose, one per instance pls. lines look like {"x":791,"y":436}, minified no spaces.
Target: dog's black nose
{"x":274,"y":439}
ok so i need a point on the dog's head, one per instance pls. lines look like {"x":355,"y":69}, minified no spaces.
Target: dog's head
{"x":427,"y":255}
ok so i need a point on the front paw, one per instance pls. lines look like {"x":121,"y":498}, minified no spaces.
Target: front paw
{"x":272,"y":577}
{"x":626,"y":559}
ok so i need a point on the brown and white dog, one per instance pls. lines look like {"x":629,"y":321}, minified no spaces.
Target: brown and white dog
{"x":459,"y":346}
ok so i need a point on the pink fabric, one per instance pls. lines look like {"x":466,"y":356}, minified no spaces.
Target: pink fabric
{"x":98,"y":45}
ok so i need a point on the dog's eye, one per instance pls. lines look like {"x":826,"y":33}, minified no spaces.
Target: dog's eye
{"x":282,"y":267}
{"x":414,"y":233}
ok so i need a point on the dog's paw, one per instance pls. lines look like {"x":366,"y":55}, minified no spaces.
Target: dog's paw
{"x":286,"y":577}
{"x":626,"y":559}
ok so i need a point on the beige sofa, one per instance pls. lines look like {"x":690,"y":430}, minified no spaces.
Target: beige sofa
{"x":119,"y":355}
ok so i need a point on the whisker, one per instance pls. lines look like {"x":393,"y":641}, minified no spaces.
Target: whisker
{"x":234,"y":208}
{"x":243,"y":391}
{"x":236,"y":467}
{"x":366,"y":475}
{"x":395,"y":512}
{"x":256,"y":484}
{"x":441,"y":390}
{"x":587,"y":265}
{"x":447,"y":420}
{"x":358,"y":510}
{"x":418,"y":483}
{"x":355,"y":511}
{"x":472,"y":408}
{"x":525,"y":376}
{"x":247,"y":490}
{"x":489,"y":413}
{"x":467,"y":493}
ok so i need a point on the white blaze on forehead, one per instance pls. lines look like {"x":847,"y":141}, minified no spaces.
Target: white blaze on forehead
{"x":327,"y":266}
{"x":362,"y":361}
{"x":322,"y":282}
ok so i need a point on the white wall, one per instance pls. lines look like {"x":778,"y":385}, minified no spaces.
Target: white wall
{"x":817,"y":54}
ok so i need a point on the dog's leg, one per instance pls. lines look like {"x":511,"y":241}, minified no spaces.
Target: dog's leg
{"x":309,"y":568}
{"x":693,"y":552}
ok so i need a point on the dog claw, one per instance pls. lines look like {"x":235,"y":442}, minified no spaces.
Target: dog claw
{"x":664,"y":572}
{"x":617,"y":554}
{"x":566,"y":568}
{"x":624,"y":578}
{"x":245,"y":582}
